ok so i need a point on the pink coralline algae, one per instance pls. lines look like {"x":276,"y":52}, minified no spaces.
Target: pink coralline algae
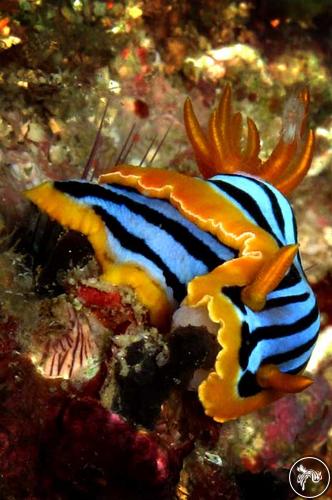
{"x":295,"y":424}
{"x":22,"y":402}
{"x":273,"y":438}
{"x":100,"y":453}
{"x":73,"y":446}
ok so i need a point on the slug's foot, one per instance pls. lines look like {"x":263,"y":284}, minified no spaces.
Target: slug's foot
{"x":194,"y":316}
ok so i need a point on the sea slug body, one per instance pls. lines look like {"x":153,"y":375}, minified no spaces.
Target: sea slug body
{"x":226,"y":242}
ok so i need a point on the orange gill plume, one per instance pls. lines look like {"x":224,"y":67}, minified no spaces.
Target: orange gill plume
{"x":219,"y":150}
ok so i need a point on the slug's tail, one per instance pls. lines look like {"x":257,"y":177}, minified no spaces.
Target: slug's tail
{"x":59,"y":201}
{"x":219,"y":150}
{"x":71,"y":214}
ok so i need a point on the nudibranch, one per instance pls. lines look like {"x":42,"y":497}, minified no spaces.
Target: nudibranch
{"x":226,"y":243}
